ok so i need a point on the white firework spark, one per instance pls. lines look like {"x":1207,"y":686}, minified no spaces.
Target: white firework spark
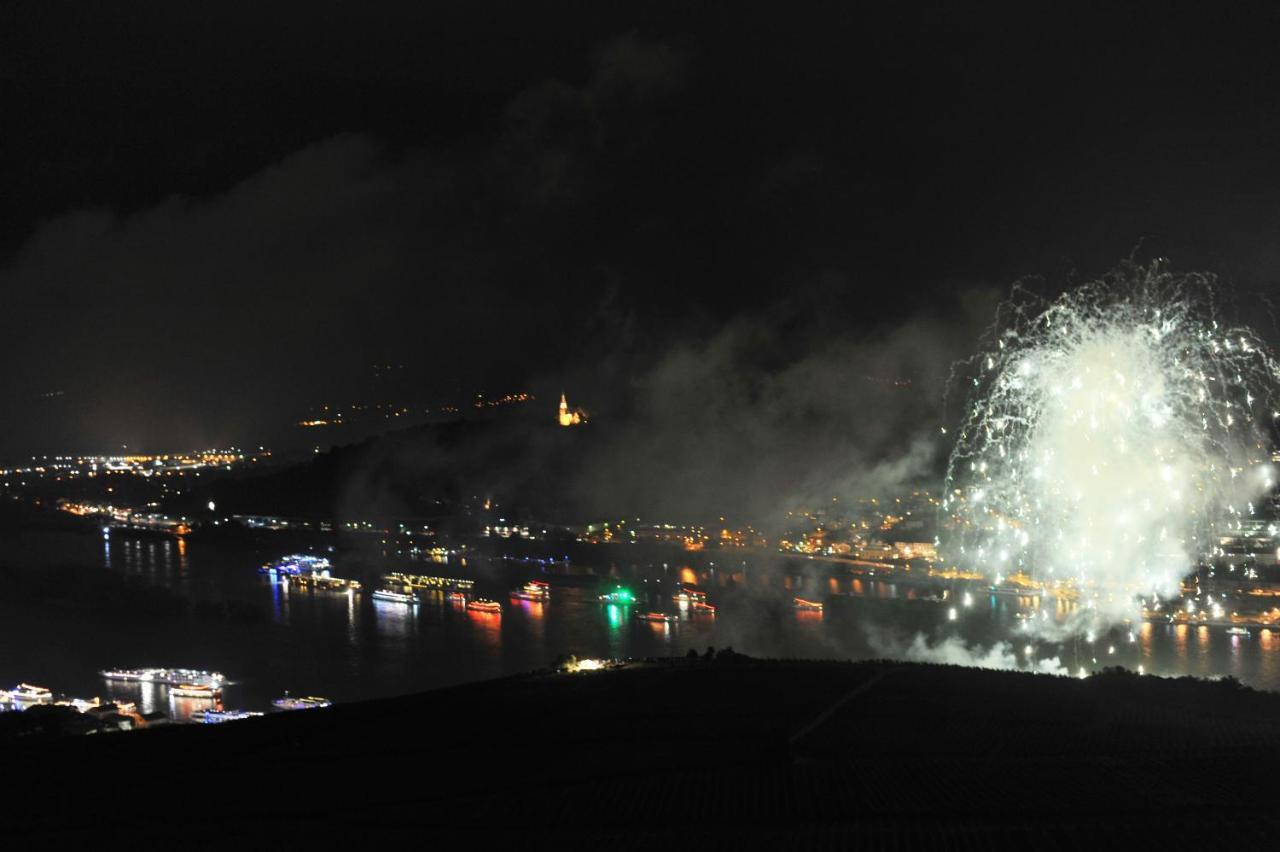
{"x":1109,"y":435}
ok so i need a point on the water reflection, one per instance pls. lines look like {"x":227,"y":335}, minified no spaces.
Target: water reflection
{"x":395,"y":620}
{"x":443,"y":643}
{"x":1145,"y":633}
{"x":488,"y":628}
{"x":184,"y":708}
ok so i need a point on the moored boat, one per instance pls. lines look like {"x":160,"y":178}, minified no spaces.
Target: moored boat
{"x":392,"y":596}
{"x":194,"y":690}
{"x":307,"y":702}
{"x":295,"y":564}
{"x":216,"y":717}
{"x":657,"y":617}
{"x":25,"y":693}
{"x":618,"y":596}
{"x":534,"y":590}
{"x":165,"y":677}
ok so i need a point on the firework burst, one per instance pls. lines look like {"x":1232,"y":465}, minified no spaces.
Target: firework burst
{"x":1109,"y":435}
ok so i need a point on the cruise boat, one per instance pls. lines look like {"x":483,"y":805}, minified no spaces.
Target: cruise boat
{"x":393,"y":596}
{"x":1016,"y":590}
{"x":618,"y":596}
{"x":1237,"y":631}
{"x":82,"y":705}
{"x":687,"y":595}
{"x":319,"y":581}
{"x":702,"y":608}
{"x":807,"y":606}
{"x":194,"y":690}
{"x":658,"y":617}
{"x":307,"y":702}
{"x":420,"y":581}
{"x":458,"y":597}
{"x":534,"y":590}
{"x":296,"y":564}
{"x":484,"y":605}
{"x":25,"y":693}
{"x":216,"y":717}
{"x":166,"y":677}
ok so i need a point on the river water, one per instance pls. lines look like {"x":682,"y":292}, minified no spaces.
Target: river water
{"x":347,"y":646}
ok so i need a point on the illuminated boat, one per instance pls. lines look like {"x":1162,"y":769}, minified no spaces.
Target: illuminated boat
{"x":296,"y":564}
{"x":1237,"y":631}
{"x":308,"y":702}
{"x":82,"y":705}
{"x":619,"y":596}
{"x":166,"y":677}
{"x":484,"y":605}
{"x":657,"y":617}
{"x":217,"y":717}
{"x":25,"y":693}
{"x":1015,"y":590}
{"x":194,"y":690}
{"x":460,"y":597}
{"x":702,"y":608}
{"x":807,"y":606}
{"x":534,"y":590}
{"x":392,"y":596}
{"x":418,"y":581}
{"x":318,"y":581}
{"x":687,"y":595}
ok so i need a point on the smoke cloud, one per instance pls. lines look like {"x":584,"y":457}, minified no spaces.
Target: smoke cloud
{"x":952,"y":650}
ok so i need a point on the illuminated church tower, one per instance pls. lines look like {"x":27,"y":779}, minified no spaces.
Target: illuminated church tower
{"x":567,"y":417}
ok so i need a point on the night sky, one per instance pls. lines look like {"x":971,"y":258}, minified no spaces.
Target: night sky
{"x":214,"y":216}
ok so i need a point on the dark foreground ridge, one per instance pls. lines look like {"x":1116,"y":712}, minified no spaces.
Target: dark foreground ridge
{"x":743,"y":753}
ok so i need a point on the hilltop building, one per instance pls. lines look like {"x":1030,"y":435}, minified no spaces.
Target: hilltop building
{"x":570,"y":416}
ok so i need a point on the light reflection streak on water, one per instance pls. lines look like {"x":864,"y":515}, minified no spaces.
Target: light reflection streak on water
{"x":489,"y":628}
{"x":181,"y":708}
{"x":277,"y":607}
{"x":1145,"y":635}
{"x":1268,"y":645}
{"x":533,"y":609}
{"x":395,"y":620}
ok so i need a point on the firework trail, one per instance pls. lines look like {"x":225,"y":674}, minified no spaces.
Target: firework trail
{"x":1109,"y":436}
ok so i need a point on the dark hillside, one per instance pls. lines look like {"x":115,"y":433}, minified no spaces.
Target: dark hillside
{"x":720,"y":754}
